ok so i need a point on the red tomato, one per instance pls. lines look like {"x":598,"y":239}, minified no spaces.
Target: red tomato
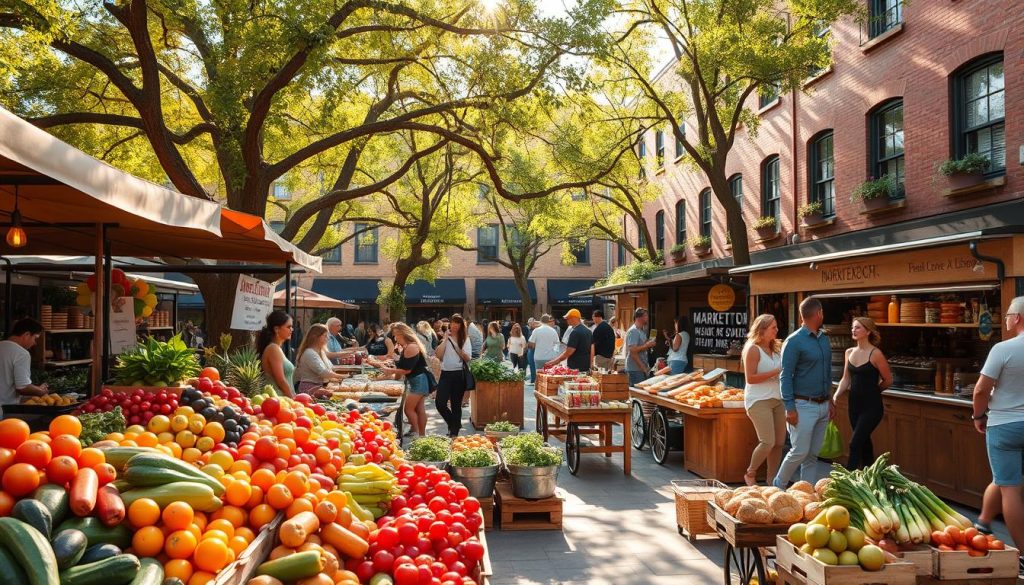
{"x":407,"y":574}
{"x":473,"y":550}
{"x":408,"y":534}
{"x":979,"y":542}
{"x":996,"y":544}
{"x":387,"y":537}
{"x":383,"y":561}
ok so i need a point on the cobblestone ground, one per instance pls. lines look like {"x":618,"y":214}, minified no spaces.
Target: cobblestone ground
{"x":616,"y":529}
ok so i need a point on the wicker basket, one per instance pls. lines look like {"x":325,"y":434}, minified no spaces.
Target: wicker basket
{"x":692,"y":497}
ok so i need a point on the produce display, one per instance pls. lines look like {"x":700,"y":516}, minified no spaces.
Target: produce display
{"x":432,"y":448}
{"x":556,"y":370}
{"x":463,"y":442}
{"x":485,"y":370}
{"x":156,"y":363}
{"x":770,"y":505}
{"x":138,"y":406}
{"x":831,"y":540}
{"x":501,"y":426}
{"x":474,"y":457}
{"x":529,"y":450}
{"x":705,"y":396}
{"x":52,"y":400}
{"x":97,"y":425}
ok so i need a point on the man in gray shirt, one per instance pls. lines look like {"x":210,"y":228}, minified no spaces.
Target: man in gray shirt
{"x":476,"y":338}
{"x":637,"y":346}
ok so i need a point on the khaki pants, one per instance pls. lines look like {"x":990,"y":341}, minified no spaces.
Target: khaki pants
{"x":607,"y":363}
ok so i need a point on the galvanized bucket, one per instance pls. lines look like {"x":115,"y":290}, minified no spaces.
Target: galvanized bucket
{"x":533,"y":483}
{"x":497,"y":436}
{"x":442,"y":465}
{"x":478,"y":480}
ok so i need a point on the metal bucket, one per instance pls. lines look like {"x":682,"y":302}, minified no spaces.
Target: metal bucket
{"x":497,"y":436}
{"x":442,"y":465}
{"x":533,"y":483}
{"x":478,"y":480}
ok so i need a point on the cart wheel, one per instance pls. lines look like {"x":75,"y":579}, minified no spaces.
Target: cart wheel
{"x":572,"y":447}
{"x":743,"y":566}
{"x":659,"y":436}
{"x":541,"y":422}
{"x":638,"y":431}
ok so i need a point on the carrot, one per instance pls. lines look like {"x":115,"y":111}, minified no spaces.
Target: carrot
{"x":346,"y":542}
{"x":83,"y":492}
{"x":298,"y":528}
{"x":109,"y":506}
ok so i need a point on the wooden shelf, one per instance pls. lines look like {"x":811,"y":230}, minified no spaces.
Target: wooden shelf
{"x":938,"y":325}
{"x":152,"y":328}
{"x":69,"y":331}
{"x":66,"y":363}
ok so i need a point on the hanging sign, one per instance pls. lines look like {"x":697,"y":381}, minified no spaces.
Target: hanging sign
{"x":721,"y":297}
{"x":254,"y":300}
{"x":122,"y":328}
{"x":714,"y":331}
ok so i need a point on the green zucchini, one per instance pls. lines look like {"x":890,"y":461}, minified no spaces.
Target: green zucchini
{"x":161,"y":461}
{"x":35,"y":514}
{"x":151,"y":573}
{"x":10,"y":570}
{"x":98,"y":552}
{"x":293,"y":567}
{"x":145,"y":476}
{"x":97,"y":533}
{"x":55,"y":498}
{"x":115,"y":570}
{"x":201,"y":497}
{"x":30,"y":550}
{"x":119,"y":456}
{"x":69,"y":546}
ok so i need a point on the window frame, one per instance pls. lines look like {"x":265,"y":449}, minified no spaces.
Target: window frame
{"x":583,"y":255}
{"x":877,"y":25}
{"x":659,"y":231}
{"x":960,"y":133}
{"x":829,"y":205}
{"x":876,"y":132}
{"x":737,"y":179}
{"x":659,"y":147}
{"x":765,"y":99}
{"x":681,"y":222}
{"x":771,"y":199}
{"x":707,"y":213}
{"x":482,"y":258}
{"x":284,"y":188}
{"x":680,"y":150}
{"x":332,"y":256}
{"x":361,"y":232}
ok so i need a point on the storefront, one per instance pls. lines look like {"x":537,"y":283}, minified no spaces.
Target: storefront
{"x":561,"y":297}
{"x":358,"y":291}
{"x":442,"y":298}
{"x":498,"y":299}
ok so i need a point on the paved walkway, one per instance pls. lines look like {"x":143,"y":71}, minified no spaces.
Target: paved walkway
{"x":616,"y":529}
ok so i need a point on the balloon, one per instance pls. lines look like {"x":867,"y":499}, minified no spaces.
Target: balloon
{"x":91,"y":282}
{"x":82,"y":288}
{"x":150,"y":300}
{"x":117,"y":290}
{"x":147,"y":311}
{"x":84,"y":300}
{"x":139,"y":306}
{"x":143,"y":288}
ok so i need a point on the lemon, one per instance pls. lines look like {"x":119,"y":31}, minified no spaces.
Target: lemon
{"x":204,"y":444}
{"x":159,"y":424}
{"x":222,"y":459}
{"x":196,"y":422}
{"x":185,"y":438}
{"x":179,"y":423}
{"x":184,"y":410}
{"x":213,"y":470}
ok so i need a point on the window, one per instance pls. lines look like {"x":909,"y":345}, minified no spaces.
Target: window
{"x":980,"y":114}
{"x":770,"y":192}
{"x":659,"y":147}
{"x":332,"y":256}
{"x":366,"y":244}
{"x":681,"y":222}
{"x":580,"y":248}
{"x":885,"y":15}
{"x":621,"y":254}
{"x":767,"y":94}
{"x":659,"y":231}
{"x":705,"y":213}
{"x":641,"y":236}
{"x":486,"y":243}
{"x":642,"y":149}
{"x":823,"y":170}
{"x":680,"y":151}
{"x":277,"y":226}
{"x":821,"y":30}
{"x":281,"y":192}
{"x":887,"y":143}
{"x":736,"y":187}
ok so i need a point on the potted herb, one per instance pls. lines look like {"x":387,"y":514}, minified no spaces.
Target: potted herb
{"x":433,"y":450}
{"x":876,"y":193}
{"x":156,"y":364}
{"x":497,"y":431}
{"x":532,"y":464}
{"x":498,"y":394}
{"x":701,"y":244}
{"x":678,"y":253}
{"x":766,"y":227}
{"x":965,"y":172}
{"x":812,"y":213}
{"x":477,"y":469}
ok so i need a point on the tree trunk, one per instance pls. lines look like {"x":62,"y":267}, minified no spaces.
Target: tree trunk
{"x":735,"y":225}
{"x":522,"y":281}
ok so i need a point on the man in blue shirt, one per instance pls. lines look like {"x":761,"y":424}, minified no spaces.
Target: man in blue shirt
{"x":806,"y":393}
{"x":336,"y":341}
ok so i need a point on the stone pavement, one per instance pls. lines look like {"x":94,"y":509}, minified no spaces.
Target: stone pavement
{"x":616,"y":529}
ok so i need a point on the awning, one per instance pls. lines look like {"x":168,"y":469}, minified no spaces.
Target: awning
{"x":662,"y":278}
{"x":359,"y":291}
{"x":306,"y":299}
{"x":560,"y":292}
{"x":502,"y":291}
{"x":444,"y":291}
{"x":195,"y":301}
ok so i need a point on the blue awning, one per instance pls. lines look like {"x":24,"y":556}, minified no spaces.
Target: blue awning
{"x":501,"y":291}
{"x":444,"y":291}
{"x":558,"y":292}
{"x":195,"y":301}
{"x":359,"y":291}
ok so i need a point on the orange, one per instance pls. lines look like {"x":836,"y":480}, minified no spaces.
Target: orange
{"x":210,"y":372}
{"x":237,"y":544}
{"x":237,"y":493}
{"x":175,"y":449}
{"x":35,"y":453}
{"x":260,"y":516}
{"x":215,"y":535}
{"x":223,"y":525}
{"x":245,"y":533}
{"x":189,"y":454}
{"x":326,"y":512}
{"x":241,"y":466}
{"x":6,"y":503}
{"x":178,"y":569}
{"x":20,"y":479}
{"x":279,"y":497}
{"x":13,"y":432}
{"x":62,"y":469}
{"x":297,"y":483}
{"x":200,"y":520}
{"x":6,"y":458}
{"x":66,"y":424}
{"x":339,"y":499}
{"x":65,"y":445}
{"x":178,"y":516}
{"x":263,"y":479}
{"x":106,"y":473}
{"x":284,"y":431}
{"x":148,"y":541}
{"x":301,"y":435}
{"x":215,"y":431}
{"x":211,"y":555}
{"x":143,"y":512}
{"x":233,"y":514}
{"x":128,"y":443}
{"x":147,"y":439}
{"x":91,"y":457}
{"x":201,"y":578}
{"x":180,"y":544}
{"x":196,"y":531}
{"x":255,"y":499}
{"x":299,"y":505}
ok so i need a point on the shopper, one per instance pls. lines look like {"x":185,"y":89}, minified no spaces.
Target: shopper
{"x":516,"y":347}
{"x":16,"y":363}
{"x":762,"y":397}
{"x":379,"y":343}
{"x":531,"y":324}
{"x":806,"y":392}
{"x":337,"y":343}
{"x":577,"y":342}
{"x":276,"y":366}
{"x":476,"y":338}
{"x":637,"y":346}
{"x":602,"y":347}
{"x":426,"y":335}
{"x":620,"y":337}
{"x":412,"y":365}
{"x":494,"y":344}
{"x":313,"y":366}
{"x":455,"y":353}
{"x":866,"y":375}
{"x":999,"y":414}
{"x":544,"y":343}
{"x":361,"y":335}
{"x":678,"y":343}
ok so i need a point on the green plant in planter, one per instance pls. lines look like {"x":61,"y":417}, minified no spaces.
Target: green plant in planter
{"x":501,"y":426}
{"x":473,"y":458}
{"x":810,"y":209}
{"x":156,"y":363}
{"x":698,"y":242}
{"x":432,"y":448}
{"x":491,"y":371}
{"x":531,"y":453}
{"x":970,"y":164}
{"x":883,"y":187}
{"x":677,"y":250}
{"x":764,"y":223}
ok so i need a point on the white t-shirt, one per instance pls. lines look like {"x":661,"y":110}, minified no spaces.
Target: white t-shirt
{"x":516,"y":345}
{"x":1005,"y":365}
{"x":15,"y":371}
{"x":452,"y":361}
{"x":545,"y":343}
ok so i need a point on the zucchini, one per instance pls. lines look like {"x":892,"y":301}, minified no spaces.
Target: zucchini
{"x":55,"y":498}
{"x":96,"y":533}
{"x":119,"y":456}
{"x":151,"y":573}
{"x":293,"y":567}
{"x":197,"y":495}
{"x":115,"y":570}
{"x":161,"y":461}
{"x":10,"y":570}
{"x":35,"y":514}
{"x":145,"y":476}
{"x":30,"y":550}
{"x":98,"y":552}
{"x":69,"y":546}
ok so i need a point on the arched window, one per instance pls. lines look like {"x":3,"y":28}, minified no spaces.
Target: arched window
{"x":823,"y":172}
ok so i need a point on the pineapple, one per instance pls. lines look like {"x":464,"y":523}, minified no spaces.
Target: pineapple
{"x":245,"y":371}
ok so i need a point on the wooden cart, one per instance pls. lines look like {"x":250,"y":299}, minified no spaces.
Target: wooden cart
{"x":572,"y":424}
{"x":748,"y":547}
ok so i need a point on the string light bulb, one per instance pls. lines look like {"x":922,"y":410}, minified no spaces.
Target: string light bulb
{"x":16,"y":236}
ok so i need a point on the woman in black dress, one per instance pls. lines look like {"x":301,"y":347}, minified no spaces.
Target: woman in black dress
{"x":866,"y":375}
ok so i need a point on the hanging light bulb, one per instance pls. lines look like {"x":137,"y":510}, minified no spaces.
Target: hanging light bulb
{"x":16,"y":236}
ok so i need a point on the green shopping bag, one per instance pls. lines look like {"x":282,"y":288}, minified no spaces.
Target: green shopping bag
{"x":833,"y":445}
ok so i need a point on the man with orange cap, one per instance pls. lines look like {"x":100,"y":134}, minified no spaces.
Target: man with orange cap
{"x":577,"y":343}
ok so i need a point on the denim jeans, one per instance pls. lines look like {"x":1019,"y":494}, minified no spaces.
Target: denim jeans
{"x":532,"y":366}
{"x":806,"y":438}
{"x":678,"y":366}
{"x":635,"y":377}
{"x":1005,"y":445}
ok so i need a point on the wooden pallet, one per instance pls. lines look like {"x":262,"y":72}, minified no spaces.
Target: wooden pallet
{"x":487,"y":511}
{"x":519,"y":514}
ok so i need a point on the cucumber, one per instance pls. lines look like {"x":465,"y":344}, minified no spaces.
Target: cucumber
{"x":35,"y":514}
{"x":69,"y":546}
{"x":151,"y":573}
{"x":119,"y":456}
{"x":97,"y":533}
{"x":55,"y":498}
{"x":293,"y":567}
{"x":10,"y":570}
{"x":161,"y":461}
{"x":145,"y":476}
{"x":98,"y":552}
{"x":115,"y":570}
{"x":30,"y":550}
{"x":197,"y":495}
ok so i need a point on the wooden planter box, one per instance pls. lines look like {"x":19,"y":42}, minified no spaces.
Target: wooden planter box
{"x":813,"y":219}
{"x":876,"y":203}
{"x":960,"y":181}
{"x":496,"y":401}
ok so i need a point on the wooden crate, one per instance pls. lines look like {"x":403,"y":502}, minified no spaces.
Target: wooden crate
{"x":548,"y":385}
{"x":244,"y":568}
{"x":930,"y":580}
{"x":613,"y":386}
{"x":692,"y":497}
{"x":788,"y":558}
{"x":739,"y":534}
{"x":487,"y":511}
{"x":519,"y":514}
{"x":921,"y":556}
{"x":996,"y":564}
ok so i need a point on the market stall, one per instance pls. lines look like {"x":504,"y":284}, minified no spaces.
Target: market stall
{"x":573,"y":423}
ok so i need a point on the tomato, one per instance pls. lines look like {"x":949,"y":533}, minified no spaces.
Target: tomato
{"x":438,"y":569}
{"x":969,"y":535}
{"x":979,"y":542}
{"x":408,"y":534}
{"x":448,"y":556}
{"x":473,"y":550}
{"x":460,"y":568}
{"x":383,"y":561}
{"x":460,"y":491}
{"x":365,"y":570}
{"x":438,"y":530}
{"x":387,"y":537}
{"x":471,"y":505}
{"x":425,"y":575}
{"x":406,"y":574}
{"x":996,"y":544}
{"x":955,"y":535}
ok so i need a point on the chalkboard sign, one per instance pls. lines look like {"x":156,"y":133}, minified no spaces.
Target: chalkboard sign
{"x":714,"y":331}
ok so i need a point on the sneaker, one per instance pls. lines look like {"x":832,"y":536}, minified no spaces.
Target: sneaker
{"x":409,"y":433}
{"x":983,"y":528}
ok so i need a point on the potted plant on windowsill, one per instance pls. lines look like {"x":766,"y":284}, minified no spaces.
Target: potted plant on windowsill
{"x":812,"y":213}
{"x":701,"y":244}
{"x":876,"y":193}
{"x":678,"y":253}
{"x":766,"y":227}
{"x":965,"y":172}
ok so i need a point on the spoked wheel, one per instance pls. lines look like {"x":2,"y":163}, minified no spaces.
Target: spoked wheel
{"x":637,"y":426}
{"x":541,"y":422}
{"x":659,"y":436}
{"x":572,"y":447}
{"x":743,"y":566}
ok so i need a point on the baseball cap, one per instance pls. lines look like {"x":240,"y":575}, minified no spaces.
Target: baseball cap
{"x":573,"y":313}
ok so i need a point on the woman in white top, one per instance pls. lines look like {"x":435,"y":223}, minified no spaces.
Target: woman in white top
{"x":516,"y":346}
{"x":762,"y":396}
{"x":454,"y":351}
{"x":313,"y":369}
{"x":678,"y":343}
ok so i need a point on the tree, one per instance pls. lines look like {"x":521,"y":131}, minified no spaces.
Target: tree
{"x":725,"y":52}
